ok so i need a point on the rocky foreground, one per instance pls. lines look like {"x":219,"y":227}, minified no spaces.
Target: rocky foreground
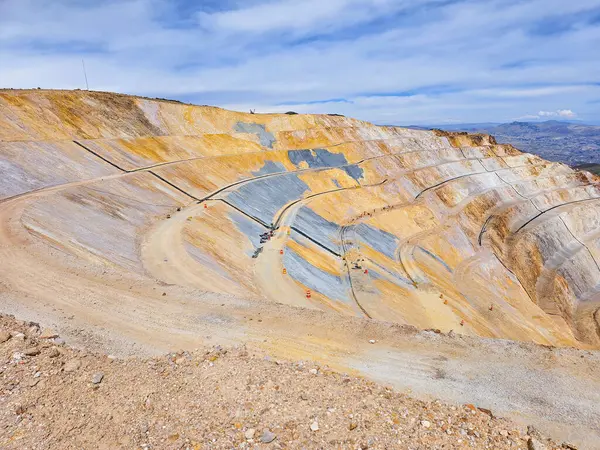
{"x":53,"y":396}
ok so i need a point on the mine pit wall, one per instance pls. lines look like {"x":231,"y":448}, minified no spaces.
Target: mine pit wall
{"x":216,"y":148}
{"x":561,"y":285}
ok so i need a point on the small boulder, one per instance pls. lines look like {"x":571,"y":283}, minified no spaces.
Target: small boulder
{"x":53,"y":352}
{"x":249,"y":434}
{"x":97,"y":378}
{"x":72,"y":365}
{"x":31,"y":351}
{"x":4,"y":336}
{"x":267,"y":437}
{"x":425,"y":423}
{"x":534,"y":444}
{"x":48,"y":333}
{"x":314,"y":426}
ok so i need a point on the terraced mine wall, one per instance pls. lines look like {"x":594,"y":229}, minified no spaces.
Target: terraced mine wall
{"x":439,"y":230}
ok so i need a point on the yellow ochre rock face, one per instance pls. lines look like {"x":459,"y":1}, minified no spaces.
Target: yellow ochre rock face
{"x":447,"y":231}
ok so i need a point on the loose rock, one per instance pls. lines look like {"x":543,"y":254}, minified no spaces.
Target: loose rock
{"x":97,"y":378}
{"x":314,"y":426}
{"x":31,"y":351}
{"x":72,"y":366}
{"x":48,"y":333}
{"x":53,"y":352}
{"x":267,"y":437}
{"x":425,"y":423}
{"x":249,"y":434}
{"x":534,"y":444}
{"x":4,"y":336}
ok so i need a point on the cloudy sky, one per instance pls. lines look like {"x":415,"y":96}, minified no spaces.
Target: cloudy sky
{"x":386,"y":61}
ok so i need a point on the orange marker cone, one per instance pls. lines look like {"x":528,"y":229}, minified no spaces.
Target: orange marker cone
{"x":281,"y":252}
{"x":284,"y":271}
{"x":308,"y":293}
{"x":366,"y":270}
{"x":445,"y":302}
{"x":205,"y":206}
{"x":462,"y":323}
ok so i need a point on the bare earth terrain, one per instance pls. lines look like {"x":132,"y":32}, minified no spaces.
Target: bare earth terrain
{"x":444,"y":268}
{"x":53,"y":396}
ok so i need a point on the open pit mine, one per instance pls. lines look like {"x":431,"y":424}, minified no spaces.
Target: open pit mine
{"x":143,"y":225}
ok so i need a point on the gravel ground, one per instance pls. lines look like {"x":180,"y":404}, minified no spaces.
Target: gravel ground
{"x":53,"y":396}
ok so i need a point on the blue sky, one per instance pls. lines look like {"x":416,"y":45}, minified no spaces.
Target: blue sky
{"x":386,"y":61}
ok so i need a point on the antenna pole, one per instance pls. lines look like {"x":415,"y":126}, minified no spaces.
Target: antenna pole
{"x":87,"y":88}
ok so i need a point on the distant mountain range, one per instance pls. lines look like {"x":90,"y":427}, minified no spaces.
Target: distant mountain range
{"x":572,"y":143}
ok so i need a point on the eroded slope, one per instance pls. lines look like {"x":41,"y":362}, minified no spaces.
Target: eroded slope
{"x":145,"y":225}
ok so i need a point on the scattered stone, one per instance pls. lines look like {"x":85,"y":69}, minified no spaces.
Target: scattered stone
{"x":72,"y":366}
{"x":503,"y":433}
{"x":425,"y":423}
{"x":314,"y":426}
{"x":37,"y":374}
{"x":4,"y":336}
{"x":249,"y":434}
{"x":568,"y":446}
{"x":19,"y":336}
{"x":31,"y":351}
{"x":267,"y":437}
{"x":534,"y":444}
{"x":372,"y":341}
{"x":352,"y":426}
{"x":17,"y":357}
{"x":53,"y":352}
{"x":486,"y":411}
{"x":48,"y":333}
{"x":313,"y":371}
{"x":97,"y":378}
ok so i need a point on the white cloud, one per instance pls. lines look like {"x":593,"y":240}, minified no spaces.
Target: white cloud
{"x":558,"y":113}
{"x":469,"y":60}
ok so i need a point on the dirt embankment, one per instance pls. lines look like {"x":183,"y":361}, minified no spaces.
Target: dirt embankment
{"x":53,"y":396}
